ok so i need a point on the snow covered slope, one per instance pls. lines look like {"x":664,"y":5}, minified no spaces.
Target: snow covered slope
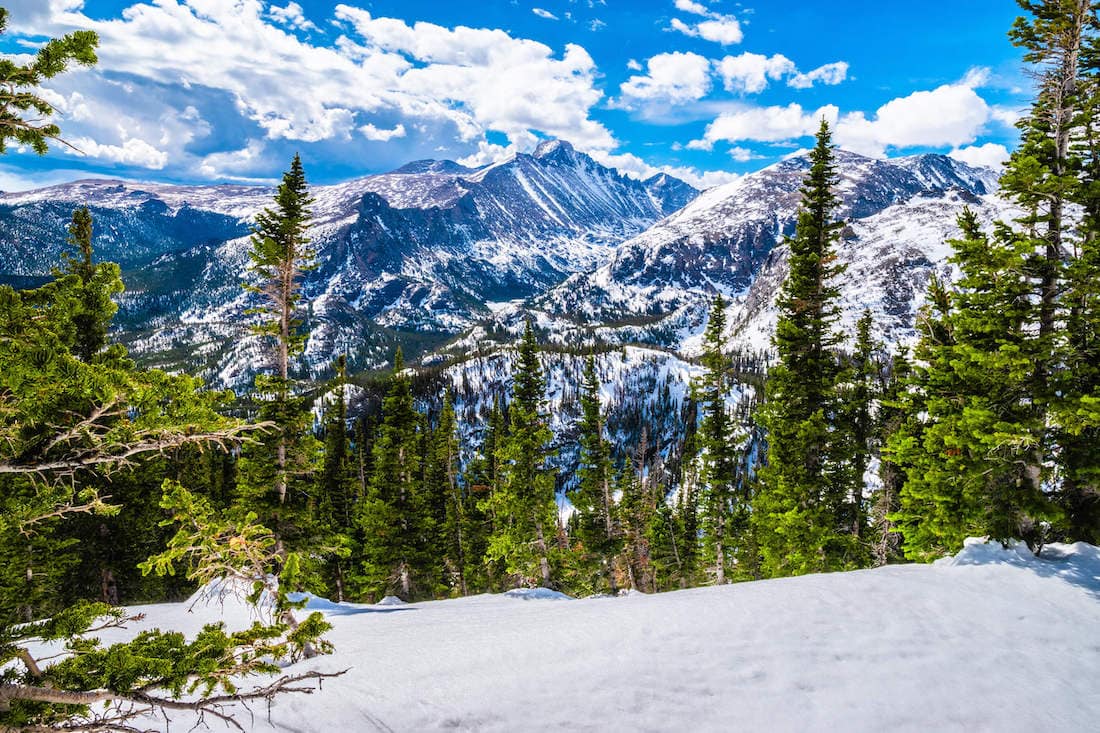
{"x":991,"y":640}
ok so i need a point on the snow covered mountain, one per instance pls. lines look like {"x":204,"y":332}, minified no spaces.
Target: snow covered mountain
{"x":657,"y":286}
{"x":425,"y":249}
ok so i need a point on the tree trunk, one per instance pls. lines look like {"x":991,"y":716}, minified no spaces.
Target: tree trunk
{"x":544,"y":560}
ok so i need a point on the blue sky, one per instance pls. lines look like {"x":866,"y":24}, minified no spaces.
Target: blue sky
{"x":228,"y":90}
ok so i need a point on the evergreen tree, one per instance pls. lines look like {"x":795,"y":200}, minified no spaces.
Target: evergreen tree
{"x":1021,"y":320}
{"x":522,"y":502}
{"x":595,"y":522}
{"x":856,"y":439}
{"x":969,"y":462}
{"x":338,"y":483}
{"x":724,"y":512}
{"x":25,"y":114}
{"x":395,"y":517}
{"x":98,"y":283}
{"x":893,"y":416}
{"x":799,"y":507}
{"x":1055,"y":39}
{"x":276,"y":475}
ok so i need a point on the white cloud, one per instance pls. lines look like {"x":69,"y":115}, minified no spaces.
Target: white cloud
{"x":950,"y":115}
{"x":830,"y":74}
{"x":749,"y":73}
{"x":596,"y":25}
{"x":239,"y":164}
{"x":719,"y":28}
{"x":292,"y":17}
{"x":764,"y":124}
{"x":743,"y":155}
{"x":635,"y":167}
{"x":1007,"y":116}
{"x":131,"y":152}
{"x":453,"y":83}
{"x":633,"y":65}
{"x":544,"y":13}
{"x":370,"y":132}
{"x":689,"y":6}
{"x":726,"y":31}
{"x":990,"y":155}
{"x":672,"y":78}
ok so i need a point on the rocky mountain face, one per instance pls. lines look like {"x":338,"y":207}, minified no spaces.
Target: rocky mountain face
{"x":656,"y":287}
{"x":415,"y":256}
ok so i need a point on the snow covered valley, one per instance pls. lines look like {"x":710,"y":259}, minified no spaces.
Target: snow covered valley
{"x":990,"y":640}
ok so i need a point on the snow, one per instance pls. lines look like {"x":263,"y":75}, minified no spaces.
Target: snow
{"x":992,"y":639}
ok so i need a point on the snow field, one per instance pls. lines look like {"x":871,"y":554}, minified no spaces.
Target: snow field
{"x":991,"y":640}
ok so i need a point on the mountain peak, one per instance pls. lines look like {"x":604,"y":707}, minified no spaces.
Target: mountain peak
{"x":553,"y":148}
{"x":434,"y":166}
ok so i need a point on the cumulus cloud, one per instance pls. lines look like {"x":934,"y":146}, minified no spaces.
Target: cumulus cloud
{"x":671,"y":78}
{"x":689,"y":6}
{"x":764,"y":124}
{"x":635,"y":167}
{"x":743,"y":155}
{"x":750,"y":73}
{"x":457,"y":83}
{"x":292,"y":17}
{"x":131,"y":152}
{"x":949,"y":115}
{"x":830,"y":74}
{"x":370,"y":132}
{"x":990,"y":155}
{"x":544,"y":13}
{"x":719,"y":28}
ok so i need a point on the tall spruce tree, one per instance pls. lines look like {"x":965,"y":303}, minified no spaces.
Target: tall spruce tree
{"x":724,"y":512}
{"x":798,"y":509}
{"x":99,"y":283}
{"x":595,"y":523}
{"x":969,"y":463}
{"x":276,"y":477}
{"x":394,"y":518}
{"x":338,"y":484}
{"x":522,"y":502}
{"x":856,"y":440}
{"x":1052,"y":39}
{"x":1022,"y":323}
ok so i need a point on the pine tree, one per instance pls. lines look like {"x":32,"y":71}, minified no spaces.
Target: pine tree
{"x":724,"y":512}
{"x":337,"y":484}
{"x":25,"y":114}
{"x":276,"y":474}
{"x":856,"y":440}
{"x":969,"y":463}
{"x":595,"y":522}
{"x":798,"y":510}
{"x":280,"y":255}
{"x":894,"y":416}
{"x":1018,"y":367}
{"x":457,"y":550}
{"x":522,"y":502}
{"x":1051,"y":40}
{"x":99,"y":282}
{"x":395,"y":519}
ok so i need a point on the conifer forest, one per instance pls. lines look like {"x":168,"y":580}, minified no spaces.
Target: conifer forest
{"x":519,"y":458}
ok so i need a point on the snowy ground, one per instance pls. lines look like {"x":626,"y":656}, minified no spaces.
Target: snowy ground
{"x":992,"y":640}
